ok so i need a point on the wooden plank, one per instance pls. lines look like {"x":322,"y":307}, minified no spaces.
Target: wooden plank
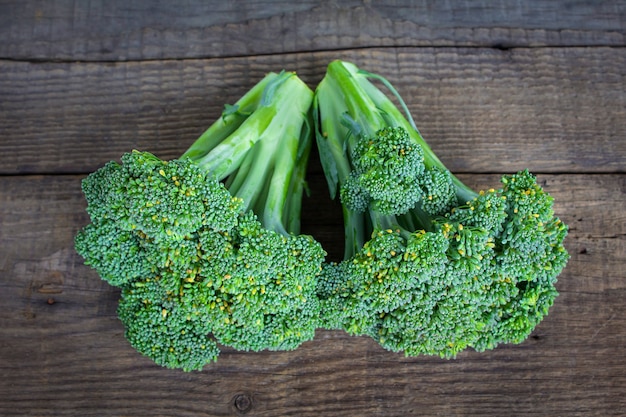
{"x":62,"y":350}
{"x":482,"y":110}
{"x":113,"y":30}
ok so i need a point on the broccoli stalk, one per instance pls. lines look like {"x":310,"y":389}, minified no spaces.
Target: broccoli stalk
{"x":357,"y":124}
{"x":274,"y":115}
{"x":430,"y":265}
{"x":206,"y":248}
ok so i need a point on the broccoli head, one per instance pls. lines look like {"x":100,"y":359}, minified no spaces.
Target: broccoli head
{"x":430,"y":266}
{"x":207,"y":248}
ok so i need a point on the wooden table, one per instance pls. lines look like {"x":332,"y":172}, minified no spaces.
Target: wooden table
{"x":494,"y":86}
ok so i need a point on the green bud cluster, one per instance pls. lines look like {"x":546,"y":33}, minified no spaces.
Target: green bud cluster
{"x":442,"y":268}
{"x":207,"y":250}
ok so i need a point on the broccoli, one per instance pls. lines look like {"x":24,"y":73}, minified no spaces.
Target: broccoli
{"x":430,"y":265}
{"x":207,"y":248}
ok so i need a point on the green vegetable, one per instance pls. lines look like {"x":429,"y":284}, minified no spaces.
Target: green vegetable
{"x":206,"y":248}
{"x":430,"y":266}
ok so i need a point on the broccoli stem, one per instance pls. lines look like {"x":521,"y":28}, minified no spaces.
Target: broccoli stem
{"x":232,"y":118}
{"x":332,"y":137}
{"x":348,"y":106}
{"x":393,"y":115}
{"x":256,"y":147}
{"x":368,"y":114}
{"x":298,"y":186}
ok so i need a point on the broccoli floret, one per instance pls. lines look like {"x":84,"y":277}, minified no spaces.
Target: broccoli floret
{"x":430,"y":265}
{"x":172,"y":329}
{"x":279,"y":308}
{"x":386,"y":169}
{"x":207,"y":248}
{"x":117,"y":254}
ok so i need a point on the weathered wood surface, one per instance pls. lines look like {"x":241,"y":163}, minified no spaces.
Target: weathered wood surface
{"x":116,"y":30}
{"x":555,"y":103}
{"x":482,"y":110}
{"x":64,"y":352}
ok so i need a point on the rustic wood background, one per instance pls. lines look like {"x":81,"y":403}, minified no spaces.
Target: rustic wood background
{"x":494,"y":87}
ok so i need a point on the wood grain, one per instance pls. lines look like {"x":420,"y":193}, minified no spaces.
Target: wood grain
{"x":62,"y":350}
{"x":482,"y":110}
{"x":119,"y":30}
{"x":494,"y":87}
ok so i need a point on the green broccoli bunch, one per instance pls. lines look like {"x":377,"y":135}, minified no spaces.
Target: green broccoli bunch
{"x":206,"y":248}
{"x":430,"y":266}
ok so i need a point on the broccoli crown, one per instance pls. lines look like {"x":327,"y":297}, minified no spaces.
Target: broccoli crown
{"x":388,"y":175}
{"x":387,"y":168}
{"x":464,"y":284}
{"x":143,"y":213}
{"x":449,"y":269}
{"x":206,"y":247}
{"x":249,"y":288}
